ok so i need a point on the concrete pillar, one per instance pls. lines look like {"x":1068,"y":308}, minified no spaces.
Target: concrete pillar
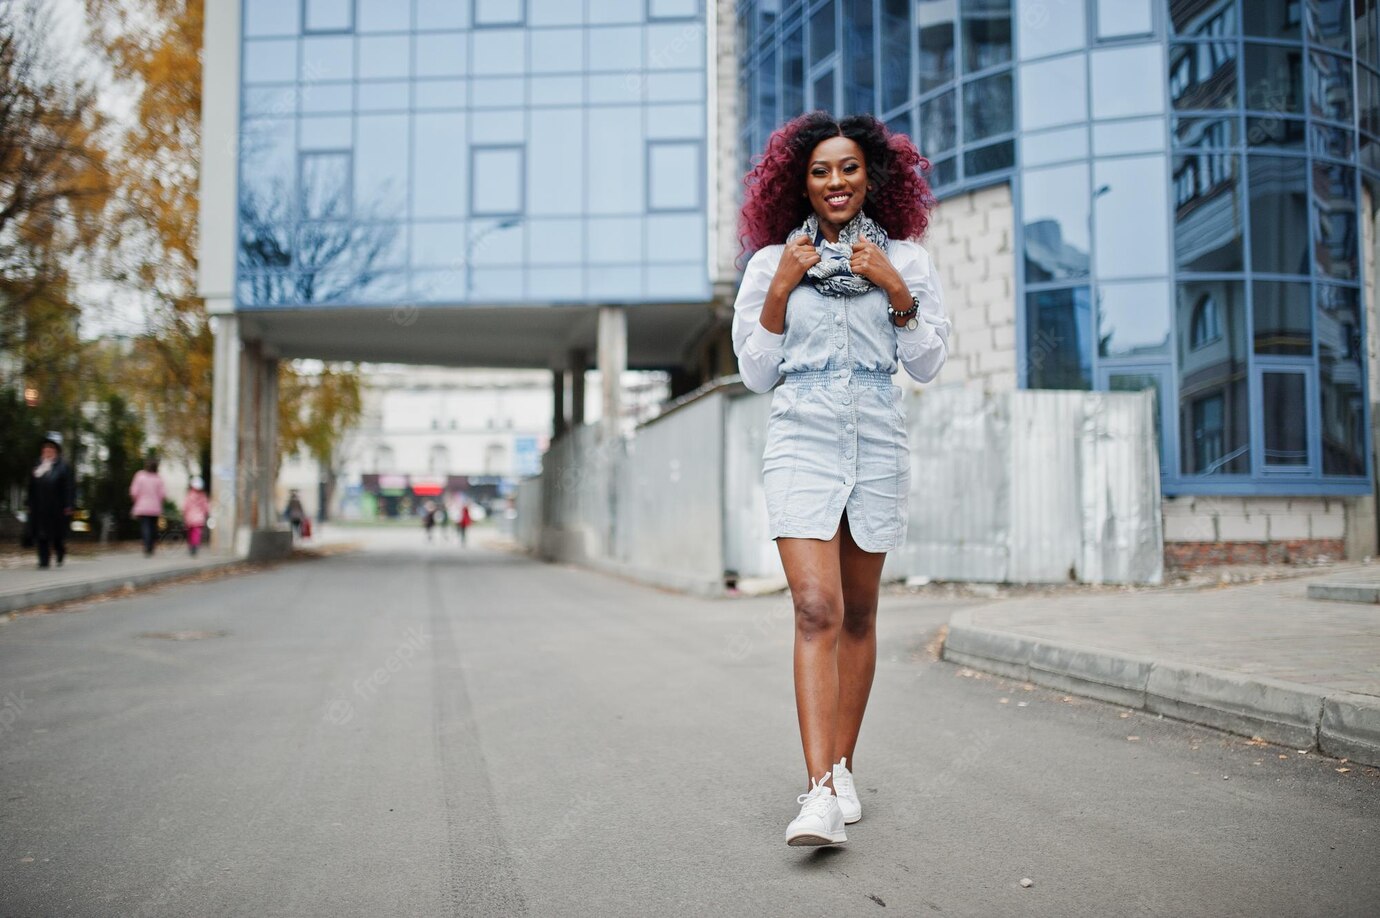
{"x":578,"y":363}
{"x":225,"y":429}
{"x":266,"y":515}
{"x":613,"y":360}
{"x":557,"y":403}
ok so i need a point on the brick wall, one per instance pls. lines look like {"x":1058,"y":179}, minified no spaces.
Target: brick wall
{"x":970,"y":239}
{"x":1255,"y":530}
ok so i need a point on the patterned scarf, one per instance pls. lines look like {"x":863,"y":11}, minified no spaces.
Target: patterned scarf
{"x":831,"y":276}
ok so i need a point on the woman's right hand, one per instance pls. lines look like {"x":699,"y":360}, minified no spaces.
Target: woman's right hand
{"x":799,"y":257}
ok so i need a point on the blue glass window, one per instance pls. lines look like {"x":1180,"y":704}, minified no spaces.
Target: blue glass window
{"x":672,"y":9}
{"x":271,"y":17}
{"x":1202,"y":20}
{"x":496,"y":181}
{"x":938,"y":125}
{"x":1121,"y":18}
{"x":1119,"y":86}
{"x":1279,"y":214}
{"x":935,"y":44}
{"x":793,"y":74}
{"x":1214,"y":400}
{"x":1049,"y":28}
{"x":1283,"y":318}
{"x":859,"y":83}
{"x":1055,"y":205}
{"x":1334,"y":221}
{"x":673,"y":171}
{"x":1341,"y":350}
{"x":1058,"y":339}
{"x":380,"y":16}
{"x":1274,"y":78}
{"x":499,"y":12}
{"x":329,"y":16}
{"x":895,"y":58}
{"x":1272,"y":20}
{"x":385,"y":56}
{"x":442,"y":14}
{"x":1202,"y":75}
{"x":986,"y":34}
{"x":1054,"y":92}
{"x":823,"y":33}
{"x":987,"y":107}
{"x":1208,"y":219}
{"x":1329,"y":87}
{"x":1134,"y":319}
{"x":1130,"y":217}
{"x":270,"y":61}
{"x":1284,"y":406}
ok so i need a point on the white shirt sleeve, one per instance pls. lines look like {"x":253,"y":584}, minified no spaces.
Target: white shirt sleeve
{"x":921,"y":352}
{"x":760,"y":352}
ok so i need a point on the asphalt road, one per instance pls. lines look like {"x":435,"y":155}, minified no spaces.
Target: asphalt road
{"x":425,"y":732}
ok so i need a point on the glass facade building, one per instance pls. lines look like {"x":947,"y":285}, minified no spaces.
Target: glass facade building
{"x":1189,"y":180}
{"x":472,"y":151}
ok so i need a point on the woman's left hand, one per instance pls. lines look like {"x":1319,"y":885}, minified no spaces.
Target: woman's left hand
{"x":870,"y":261}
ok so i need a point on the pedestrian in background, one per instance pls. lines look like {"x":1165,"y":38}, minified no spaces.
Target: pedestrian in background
{"x":196,"y":509}
{"x":147,"y":492}
{"x":295,"y":513}
{"x":51,"y":501}
{"x":463,"y":524}
{"x":428,"y":518}
{"x":836,"y":295}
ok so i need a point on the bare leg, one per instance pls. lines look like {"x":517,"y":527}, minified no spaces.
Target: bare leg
{"x":812,"y":571}
{"x":857,"y":657}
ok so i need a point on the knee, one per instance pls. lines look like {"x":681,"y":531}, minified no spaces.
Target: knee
{"x":859,"y":619}
{"x":817,"y":614}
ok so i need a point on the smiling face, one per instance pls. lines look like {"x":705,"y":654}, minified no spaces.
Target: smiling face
{"x":48,"y":453}
{"x":836,"y":183}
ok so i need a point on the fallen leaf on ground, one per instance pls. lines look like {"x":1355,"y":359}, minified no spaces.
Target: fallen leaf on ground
{"x":1133,"y":738}
{"x":1342,"y":771}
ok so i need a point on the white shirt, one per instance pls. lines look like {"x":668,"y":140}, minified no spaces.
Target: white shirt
{"x":921,"y":351}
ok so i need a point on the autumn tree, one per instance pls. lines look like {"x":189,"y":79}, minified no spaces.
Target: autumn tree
{"x":315,"y":412}
{"x":53,"y":186}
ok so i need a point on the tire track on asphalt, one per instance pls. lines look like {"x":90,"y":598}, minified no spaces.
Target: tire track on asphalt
{"x":483,"y":877}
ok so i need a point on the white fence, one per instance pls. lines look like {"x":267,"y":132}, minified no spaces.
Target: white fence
{"x":1030,"y":487}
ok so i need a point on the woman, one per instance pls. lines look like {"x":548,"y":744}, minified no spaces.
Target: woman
{"x":836,"y":295}
{"x":196,"y":509}
{"x":147,"y":492}
{"x":51,"y":500}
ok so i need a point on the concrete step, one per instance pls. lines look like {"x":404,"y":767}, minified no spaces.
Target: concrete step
{"x":1345,"y":592}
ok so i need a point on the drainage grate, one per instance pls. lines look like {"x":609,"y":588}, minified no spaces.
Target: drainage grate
{"x":183,"y":635}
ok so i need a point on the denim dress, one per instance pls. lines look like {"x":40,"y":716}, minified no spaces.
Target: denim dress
{"x":836,"y":441}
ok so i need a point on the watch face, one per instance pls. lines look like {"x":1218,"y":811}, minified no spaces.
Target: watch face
{"x":912,"y":324}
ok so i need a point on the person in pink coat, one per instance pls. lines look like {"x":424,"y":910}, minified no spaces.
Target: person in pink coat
{"x":146,"y":490}
{"x":196,"y":509}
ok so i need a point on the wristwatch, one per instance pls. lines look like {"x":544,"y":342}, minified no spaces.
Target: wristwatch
{"x":911,"y":315}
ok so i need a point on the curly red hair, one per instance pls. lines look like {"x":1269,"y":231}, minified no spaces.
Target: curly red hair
{"x":773,"y":197}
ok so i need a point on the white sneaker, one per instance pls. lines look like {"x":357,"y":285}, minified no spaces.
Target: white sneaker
{"x":846,"y":792}
{"x":820,"y":821}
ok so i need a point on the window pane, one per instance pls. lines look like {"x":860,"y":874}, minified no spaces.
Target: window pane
{"x":497,"y":12}
{"x":1139,"y":382}
{"x":943,"y":172}
{"x":1202,"y":76}
{"x":1116,"y":18}
{"x":1130,"y":217}
{"x":436,"y":191}
{"x":1214,"y":415}
{"x":1283,"y":318}
{"x":766,"y":93}
{"x":1119,"y":85}
{"x":1054,"y":93}
{"x":385,"y":56}
{"x":329,"y":15}
{"x":442,"y":14}
{"x":1133,"y":319}
{"x":858,"y":57}
{"x":895,"y":33}
{"x":1274,"y":78}
{"x":986,"y":34}
{"x":442,"y":54}
{"x":557,"y":50}
{"x":1056,"y":208}
{"x":496,"y":180}
{"x":1328,"y":141}
{"x":673,"y":176}
{"x":938,"y":126}
{"x":1058,"y":339}
{"x":1054,"y":146}
{"x":1279,"y":215}
{"x":556,"y":153}
{"x":992,"y":158}
{"x":270,"y":61}
{"x":1116,"y":137}
{"x":673,"y":9}
{"x":1275,"y":131}
{"x":1206,"y":132}
{"x":987,"y":107}
{"x":1328,"y":25}
{"x":1208,"y":220}
{"x":380,"y":165}
{"x":823,"y":33}
{"x":935,"y":42}
{"x":1202,"y":20}
{"x":1048,"y":28}
{"x":822,"y":95}
{"x":374,"y":97}
{"x":1329,"y":87}
{"x":1283,"y":403}
{"x":1334,"y":214}
{"x":325,"y":188}
{"x":621,"y":11}
{"x":1272,"y":20}
{"x":500,"y":51}
{"x":1340,"y":381}
{"x":271,"y":17}
{"x":793,"y":74}
{"x":379,"y":16}
{"x":616,"y":156}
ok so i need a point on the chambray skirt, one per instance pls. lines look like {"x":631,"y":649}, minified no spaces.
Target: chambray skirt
{"x":837,"y":442}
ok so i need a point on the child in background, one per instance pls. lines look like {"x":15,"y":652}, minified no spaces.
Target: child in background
{"x":195,"y":511}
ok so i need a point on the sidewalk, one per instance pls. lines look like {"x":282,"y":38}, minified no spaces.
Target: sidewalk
{"x":23,"y":585}
{"x":1260,"y":660}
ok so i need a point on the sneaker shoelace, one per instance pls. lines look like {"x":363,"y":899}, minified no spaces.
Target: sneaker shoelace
{"x":816,"y":802}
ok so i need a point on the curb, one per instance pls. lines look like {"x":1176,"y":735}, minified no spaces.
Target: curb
{"x":1339,"y":724}
{"x":1345,"y":592}
{"x":45,"y":596}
